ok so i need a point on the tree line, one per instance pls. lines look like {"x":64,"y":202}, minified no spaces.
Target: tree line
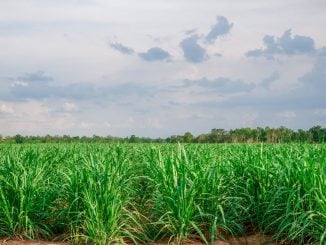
{"x":316,"y":134}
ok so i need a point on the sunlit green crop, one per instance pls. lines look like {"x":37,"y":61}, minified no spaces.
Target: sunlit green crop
{"x":139,"y":193}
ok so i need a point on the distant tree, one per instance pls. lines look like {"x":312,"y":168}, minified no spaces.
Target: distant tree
{"x":271,"y":135}
{"x":318,"y":134}
{"x":284,"y":134}
{"x":202,"y":138}
{"x":133,"y":139}
{"x":188,"y":137}
{"x":217,"y":135}
{"x":19,"y":139}
{"x":176,"y":139}
{"x":262,"y":136}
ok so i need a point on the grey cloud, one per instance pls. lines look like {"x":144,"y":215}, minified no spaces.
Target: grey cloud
{"x":154,"y":54}
{"x":322,"y":51}
{"x":286,"y":44}
{"x":268,"y":80}
{"x":36,"y":86}
{"x":45,"y":90}
{"x":297,"y":44}
{"x":36,"y":77}
{"x":191,"y":31}
{"x":310,"y":95}
{"x":221,"y":84}
{"x":192,"y":51}
{"x":298,"y":99}
{"x":121,"y":48}
{"x":316,"y":78}
{"x":221,"y":27}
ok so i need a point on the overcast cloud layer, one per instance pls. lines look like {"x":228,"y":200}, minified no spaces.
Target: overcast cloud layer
{"x":160,"y":67}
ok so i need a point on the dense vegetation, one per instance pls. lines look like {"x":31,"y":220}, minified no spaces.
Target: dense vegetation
{"x":114,"y":193}
{"x":316,"y":134}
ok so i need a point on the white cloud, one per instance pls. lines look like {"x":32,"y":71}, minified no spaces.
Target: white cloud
{"x":70,"y":107}
{"x":4,"y":108}
{"x":287,"y":114}
{"x":250,"y":119}
{"x":320,"y":111}
{"x":19,"y":83}
{"x":85,"y":125}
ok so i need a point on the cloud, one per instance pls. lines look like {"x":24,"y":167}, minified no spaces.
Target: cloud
{"x":268,"y":80}
{"x":309,"y":95}
{"x":6,"y":109}
{"x":192,"y":51}
{"x":37,"y":86}
{"x":221,"y":84}
{"x":34,"y":84}
{"x":322,"y":52}
{"x":316,"y":78}
{"x":221,"y":27}
{"x":69,"y":107}
{"x":287,"y":114}
{"x":320,"y":111}
{"x":121,"y":48}
{"x":195,"y":53}
{"x":190,"y":31}
{"x":154,"y":54}
{"x":284,"y":45}
{"x":37,"y":77}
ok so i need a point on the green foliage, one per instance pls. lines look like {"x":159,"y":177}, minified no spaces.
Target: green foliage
{"x":139,"y":193}
{"x":316,"y":134}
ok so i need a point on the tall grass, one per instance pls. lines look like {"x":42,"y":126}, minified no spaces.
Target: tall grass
{"x":115,"y":194}
{"x":27,"y":192}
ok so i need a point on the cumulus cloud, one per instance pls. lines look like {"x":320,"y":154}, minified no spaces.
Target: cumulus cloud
{"x":220,"y":28}
{"x":192,"y":51}
{"x":154,"y":54}
{"x":221,"y":84}
{"x":121,"y":48}
{"x":284,"y":45}
{"x":195,"y":53}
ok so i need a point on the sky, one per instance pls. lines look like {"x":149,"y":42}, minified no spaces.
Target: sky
{"x":158,"y":68}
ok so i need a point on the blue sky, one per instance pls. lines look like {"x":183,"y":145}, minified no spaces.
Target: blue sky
{"x":160,"y":67}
